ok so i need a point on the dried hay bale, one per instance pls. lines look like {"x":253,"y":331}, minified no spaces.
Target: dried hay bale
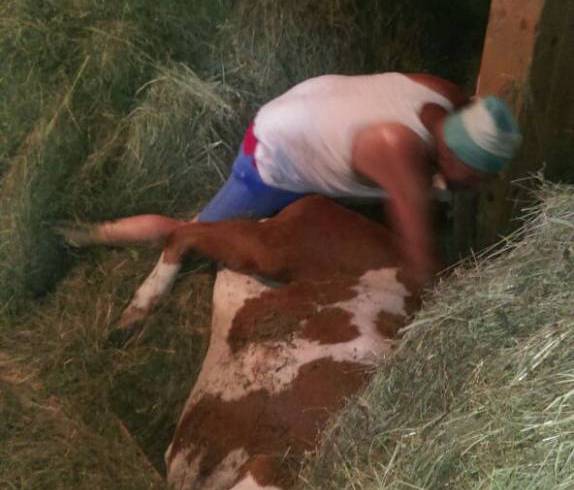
{"x":480,"y":391}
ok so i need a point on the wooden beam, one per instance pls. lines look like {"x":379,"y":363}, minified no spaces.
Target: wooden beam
{"x":528,"y":60}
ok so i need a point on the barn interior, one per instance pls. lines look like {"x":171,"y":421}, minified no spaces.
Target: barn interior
{"x":111,"y":109}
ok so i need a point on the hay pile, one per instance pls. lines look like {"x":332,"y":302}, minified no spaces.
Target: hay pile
{"x":100,"y":118}
{"x":481,"y":391}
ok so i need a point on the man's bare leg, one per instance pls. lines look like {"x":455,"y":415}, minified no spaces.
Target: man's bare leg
{"x":144,"y":229}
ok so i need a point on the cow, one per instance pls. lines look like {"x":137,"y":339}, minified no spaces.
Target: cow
{"x":305,"y":306}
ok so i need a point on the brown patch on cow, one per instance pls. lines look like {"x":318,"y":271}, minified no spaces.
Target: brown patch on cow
{"x":523,"y":25}
{"x":412,"y":304}
{"x":330,"y":326}
{"x":278,"y":313}
{"x":388,"y":324}
{"x":282,"y":425}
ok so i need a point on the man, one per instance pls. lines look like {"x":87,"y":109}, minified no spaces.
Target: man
{"x":382,"y":135}
{"x":385,"y":135}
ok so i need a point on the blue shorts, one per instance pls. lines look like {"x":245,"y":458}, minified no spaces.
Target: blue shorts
{"x":245,"y":195}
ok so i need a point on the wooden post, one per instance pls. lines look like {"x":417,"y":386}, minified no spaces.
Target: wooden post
{"x":528,"y":60}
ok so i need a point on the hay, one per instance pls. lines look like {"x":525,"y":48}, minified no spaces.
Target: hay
{"x":99,"y":122}
{"x":45,"y":444}
{"x":480,"y":392}
{"x":112,"y":406}
{"x":269,"y":46}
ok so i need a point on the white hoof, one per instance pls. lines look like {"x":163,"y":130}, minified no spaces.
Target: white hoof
{"x":133,"y":315}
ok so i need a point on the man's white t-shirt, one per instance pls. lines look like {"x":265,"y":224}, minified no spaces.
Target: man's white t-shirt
{"x":305,"y":136}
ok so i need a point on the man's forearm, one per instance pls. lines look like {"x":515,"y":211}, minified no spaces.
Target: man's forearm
{"x":412,"y":223}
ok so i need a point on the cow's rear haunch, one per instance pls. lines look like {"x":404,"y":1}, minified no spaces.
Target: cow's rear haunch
{"x":283,"y":359}
{"x":303,"y":312}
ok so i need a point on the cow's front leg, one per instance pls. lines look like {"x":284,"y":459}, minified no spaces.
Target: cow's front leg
{"x":149,"y":229}
{"x":247,"y":246}
{"x":156,"y":286}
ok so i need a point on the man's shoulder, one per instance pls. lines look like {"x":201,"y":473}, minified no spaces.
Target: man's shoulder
{"x":390,"y":135}
{"x":387,"y":147}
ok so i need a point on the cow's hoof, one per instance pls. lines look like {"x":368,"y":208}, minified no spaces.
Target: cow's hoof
{"x":129,"y":327}
{"x":75,"y":234}
{"x":123,"y":337}
{"x":133,"y":315}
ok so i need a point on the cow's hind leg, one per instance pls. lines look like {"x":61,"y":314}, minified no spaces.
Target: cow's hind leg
{"x":242,"y":245}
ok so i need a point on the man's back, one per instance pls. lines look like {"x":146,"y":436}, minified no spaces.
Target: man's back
{"x":305,"y":136}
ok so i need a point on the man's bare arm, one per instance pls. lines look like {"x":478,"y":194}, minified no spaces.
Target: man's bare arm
{"x":395,"y":158}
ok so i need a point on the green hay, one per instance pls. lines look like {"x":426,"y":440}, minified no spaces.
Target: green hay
{"x":45,"y":444}
{"x":174,"y":152}
{"x":116,"y":410}
{"x":74,"y":143}
{"x":269,"y":46}
{"x":479,"y":394}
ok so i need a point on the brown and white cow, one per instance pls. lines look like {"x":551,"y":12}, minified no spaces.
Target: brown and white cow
{"x":303,"y":311}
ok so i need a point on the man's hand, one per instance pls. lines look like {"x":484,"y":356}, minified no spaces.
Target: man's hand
{"x":422,"y":268}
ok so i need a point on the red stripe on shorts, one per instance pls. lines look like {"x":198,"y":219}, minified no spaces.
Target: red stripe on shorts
{"x":249,"y":141}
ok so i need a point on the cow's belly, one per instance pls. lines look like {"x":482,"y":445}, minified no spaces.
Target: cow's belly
{"x":272,"y":396}
{"x":230,"y":292}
